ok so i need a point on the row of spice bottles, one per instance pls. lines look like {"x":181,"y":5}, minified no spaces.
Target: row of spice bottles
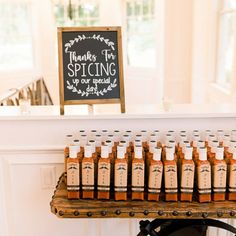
{"x":147,"y":160}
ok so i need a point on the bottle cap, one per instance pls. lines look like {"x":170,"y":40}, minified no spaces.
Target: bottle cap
{"x":73,"y":151}
{"x":123,"y":143}
{"x":69,"y":140}
{"x":234,"y":153}
{"x":121,"y":152}
{"x":202,"y":154}
{"x":109,"y":144}
{"x":83,"y":140}
{"x":93,"y":132}
{"x":110,"y":137}
{"x":139,"y":137}
{"x":153,"y":137}
{"x":195,"y":132}
{"x":156,"y":131}
{"x":169,"y":153}
{"x":183,"y":132}
{"x":93,"y":145}
{"x":82,"y":131}
{"x":233,"y":132}
{"x":152,"y":143}
{"x":88,"y":150}
{"x":126,"y":137}
{"x":137,"y":142}
{"x":104,"y":151}
{"x":157,"y":154}
{"x":76,"y":143}
{"x":138,"y":152}
{"x":219,"y":153}
{"x":188,"y":152}
{"x":171,"y":143}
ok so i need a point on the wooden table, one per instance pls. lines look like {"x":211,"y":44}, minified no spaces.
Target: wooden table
{"x":64,"y":208}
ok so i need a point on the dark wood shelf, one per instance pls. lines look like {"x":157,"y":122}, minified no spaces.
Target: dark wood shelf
{"x":64,"y":208}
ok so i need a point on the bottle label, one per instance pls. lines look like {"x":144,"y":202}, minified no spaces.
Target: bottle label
{"x":87,"y":175}
{"x":204,"y":178}
{"x":121,"y":176}
{"x":73,"y":183}
{"x":219,"y":177}
{"x":187,"y":178}
{"x":232,"y":178}
{"x":170,"y":172}
{"x":138,"y":177}
{"x":155,"y":178}
{"x":104,"y":173}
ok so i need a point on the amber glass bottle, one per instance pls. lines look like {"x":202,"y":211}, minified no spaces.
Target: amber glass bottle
{"x":170,"y":176}
{"x":121,"y":174}
{"x":104,"y":174}
{"x":73,"y":174}
{"x":219,"y":171}
{"x":187,"y":170}
{"x":88,"y":170}
{"x":138,"y":172}
{"x":155,"y":175}
{"x":232,"y":177}
{"x":203,"y":176}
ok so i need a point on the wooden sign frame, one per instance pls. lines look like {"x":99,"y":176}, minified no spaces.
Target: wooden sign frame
{"x":121,"y":98}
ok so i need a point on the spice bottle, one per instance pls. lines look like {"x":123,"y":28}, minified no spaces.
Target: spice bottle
{"x":187,"y":175}
{"x":203,"y":176}
{"x":137,"y":185}
{"x":155,"y":175}
{"x":170,"y":176}
{"x":73,"y":174}
{"x":69,"y":141}
{"x":104,"y":174}
{"x":219,"y":171}
{"x":232,"y":177}
{"x":88,"y":171}
{"x":121,"y":174}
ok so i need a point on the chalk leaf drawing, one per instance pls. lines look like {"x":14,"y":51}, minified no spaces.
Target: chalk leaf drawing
{"x":95,"y":37}
{"x":91,"y":90}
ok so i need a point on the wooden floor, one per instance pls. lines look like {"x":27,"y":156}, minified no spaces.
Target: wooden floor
{"x":64,"y":208}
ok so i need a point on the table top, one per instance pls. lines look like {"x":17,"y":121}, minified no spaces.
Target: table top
{"x":64,"y":208}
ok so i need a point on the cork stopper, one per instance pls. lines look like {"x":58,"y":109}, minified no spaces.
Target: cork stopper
{"x":219,"y":153}
{"x":169,"y":153}
{"x":188,"y":152}
{"x":138,"y":152}
{"x":92,"y":143}
{"x":104,"y":151}
{"x":121,"y":152}
{"x":88,"y":150}
{"x":202,"y":154}
{"x":73,"y":150}
{"x":157,"y":154}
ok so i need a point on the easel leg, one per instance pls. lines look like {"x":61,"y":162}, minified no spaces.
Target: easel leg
{"x":62,"y":109}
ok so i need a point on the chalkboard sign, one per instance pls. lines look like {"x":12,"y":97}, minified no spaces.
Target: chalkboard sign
{"x":90,"y":66}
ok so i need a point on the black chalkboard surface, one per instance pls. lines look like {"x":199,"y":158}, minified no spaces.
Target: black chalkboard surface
{"x":90,"y":66}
